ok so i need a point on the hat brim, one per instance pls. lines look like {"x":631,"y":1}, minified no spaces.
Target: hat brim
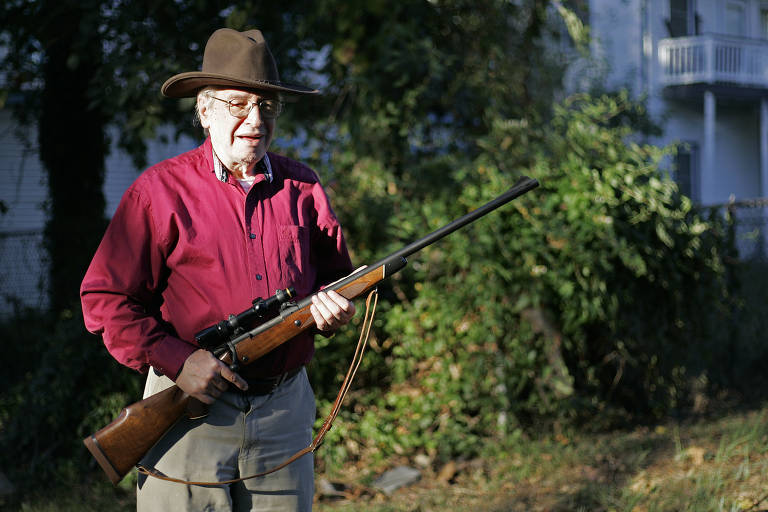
{"x":185,"y":85}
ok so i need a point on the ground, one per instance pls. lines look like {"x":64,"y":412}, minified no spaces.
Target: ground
{"x":714,"y":463}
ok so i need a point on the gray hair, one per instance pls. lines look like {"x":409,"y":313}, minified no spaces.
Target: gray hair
{"x":206,"y":95}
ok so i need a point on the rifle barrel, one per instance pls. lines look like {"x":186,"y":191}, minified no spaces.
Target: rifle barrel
{"x":523,"y":185}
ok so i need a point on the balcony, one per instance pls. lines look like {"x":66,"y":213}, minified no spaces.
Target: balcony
{"x":714,"y":59}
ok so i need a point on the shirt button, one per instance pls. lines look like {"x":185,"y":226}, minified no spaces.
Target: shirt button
{"x":258,"y":277}
{"x":252,"y":236}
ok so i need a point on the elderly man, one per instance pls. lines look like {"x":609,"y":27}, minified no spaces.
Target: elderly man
{"x":198,"y":237}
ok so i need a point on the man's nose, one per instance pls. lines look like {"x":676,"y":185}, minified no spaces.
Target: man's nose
{"x":254,"y":116}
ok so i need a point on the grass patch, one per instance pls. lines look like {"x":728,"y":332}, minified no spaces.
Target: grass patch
{"x":714,"y":464}
{"x":708,"y":465}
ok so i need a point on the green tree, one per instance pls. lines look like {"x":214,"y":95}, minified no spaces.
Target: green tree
{"x":70,"y":130}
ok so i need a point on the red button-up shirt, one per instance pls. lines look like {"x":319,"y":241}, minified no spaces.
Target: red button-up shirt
{"x":184,"y":250}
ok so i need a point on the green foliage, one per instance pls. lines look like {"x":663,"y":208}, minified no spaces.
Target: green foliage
{"x":582,"y":298}
{"x":742,"y":365}
{"x":413,"y":79}
{"x":61,"y":385}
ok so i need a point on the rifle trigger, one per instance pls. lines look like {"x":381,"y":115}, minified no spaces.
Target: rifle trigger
{"x":233,"y":354}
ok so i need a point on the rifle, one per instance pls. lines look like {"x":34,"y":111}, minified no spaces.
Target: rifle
{"x":120,"y":446}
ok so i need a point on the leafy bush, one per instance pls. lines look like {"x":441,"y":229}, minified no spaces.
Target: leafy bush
{"x":742,"y":364}
{"x":63,"y":386}
{"x":584,"y":299}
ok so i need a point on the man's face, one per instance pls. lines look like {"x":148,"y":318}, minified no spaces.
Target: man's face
{"x":239,"y":143}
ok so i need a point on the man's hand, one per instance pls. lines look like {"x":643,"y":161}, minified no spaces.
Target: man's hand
{"x":330,"y":310}
{"x":204,"y":377}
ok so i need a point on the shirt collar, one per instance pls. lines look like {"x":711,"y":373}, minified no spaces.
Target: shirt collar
{"x":262,"y":165}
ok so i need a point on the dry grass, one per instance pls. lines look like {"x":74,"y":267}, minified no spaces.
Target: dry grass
{"x":714,"y":464}
{"x":717,"y":464}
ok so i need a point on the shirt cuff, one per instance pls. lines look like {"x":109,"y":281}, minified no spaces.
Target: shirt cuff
{"x":168,"y":356}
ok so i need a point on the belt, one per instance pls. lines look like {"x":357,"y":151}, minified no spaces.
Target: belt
{"x":265,"y":386}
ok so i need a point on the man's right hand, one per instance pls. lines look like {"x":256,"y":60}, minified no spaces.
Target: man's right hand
{"x":204,"y":377}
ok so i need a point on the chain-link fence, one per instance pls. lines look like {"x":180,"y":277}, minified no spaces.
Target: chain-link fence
{"x":23,"y":271}
{"x":751,"y":227}
{"x":746,"y":346}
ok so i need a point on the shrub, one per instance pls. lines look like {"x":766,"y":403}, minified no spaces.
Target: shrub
{"x":584,"y":299}
{"x":63,"y":386}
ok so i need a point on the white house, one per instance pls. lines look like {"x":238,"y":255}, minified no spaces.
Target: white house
{"x":703,"y":66}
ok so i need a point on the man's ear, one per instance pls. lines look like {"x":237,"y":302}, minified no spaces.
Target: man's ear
{"x":203,"y":111}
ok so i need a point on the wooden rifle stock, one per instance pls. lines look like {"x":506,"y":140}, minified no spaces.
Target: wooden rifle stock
{"x":119,"y":446}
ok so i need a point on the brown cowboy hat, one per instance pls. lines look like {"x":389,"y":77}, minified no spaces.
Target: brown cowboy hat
{"x":234,"y":59}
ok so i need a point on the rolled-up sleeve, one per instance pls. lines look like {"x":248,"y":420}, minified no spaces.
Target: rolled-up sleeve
{"x":121,"y":292}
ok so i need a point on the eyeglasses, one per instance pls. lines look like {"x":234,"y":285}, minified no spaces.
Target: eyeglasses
{"x":240,"y":108}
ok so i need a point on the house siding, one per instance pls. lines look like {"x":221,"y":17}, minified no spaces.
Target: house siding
{"x":626,"y":39}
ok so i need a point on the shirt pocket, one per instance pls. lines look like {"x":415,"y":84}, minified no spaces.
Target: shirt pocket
{"x":293,"y":247}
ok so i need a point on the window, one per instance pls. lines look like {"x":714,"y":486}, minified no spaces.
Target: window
{"x":687,"y":169}
{"x":764,"y":21}
{"x":735,"y":19}
{"x":682,"y":18}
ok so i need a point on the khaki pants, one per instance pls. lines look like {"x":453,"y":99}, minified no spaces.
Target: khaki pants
{"x":241,"y":435}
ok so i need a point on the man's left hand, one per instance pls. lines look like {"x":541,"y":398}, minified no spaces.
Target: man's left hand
{"x":331,"y":311}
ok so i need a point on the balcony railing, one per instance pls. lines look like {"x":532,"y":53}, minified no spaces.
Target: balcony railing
{"x":714,"y":59}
